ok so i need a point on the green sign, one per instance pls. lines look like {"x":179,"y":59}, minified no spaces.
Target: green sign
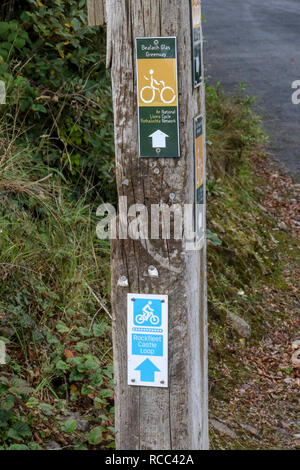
{"x":157,"y":89}
{"x":196,"y":39}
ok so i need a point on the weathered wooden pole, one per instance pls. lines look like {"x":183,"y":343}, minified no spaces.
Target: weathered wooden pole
{"x":175,"y":417}
{"x":96,"y":12}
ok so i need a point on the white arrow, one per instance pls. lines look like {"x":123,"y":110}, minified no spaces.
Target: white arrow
{"x":159,"y":140}
{"x":197,"y":64}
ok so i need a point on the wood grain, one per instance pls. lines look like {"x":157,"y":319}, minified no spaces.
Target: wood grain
{"x":96,"y":12}
{"x":150,"y":418}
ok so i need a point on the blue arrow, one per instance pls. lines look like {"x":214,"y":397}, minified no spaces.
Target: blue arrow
{"x":148,"y":370}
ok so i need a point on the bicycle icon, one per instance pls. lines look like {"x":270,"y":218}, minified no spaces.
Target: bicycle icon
{"x":154,"y":89}
{"x":147,"y":315}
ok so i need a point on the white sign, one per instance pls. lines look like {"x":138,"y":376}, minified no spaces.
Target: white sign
{"x":147,"y":340}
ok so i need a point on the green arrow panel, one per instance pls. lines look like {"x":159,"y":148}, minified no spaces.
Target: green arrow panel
{"x":157,"y":93}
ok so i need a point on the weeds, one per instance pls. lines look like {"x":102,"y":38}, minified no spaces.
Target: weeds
{"x":56,"y":333}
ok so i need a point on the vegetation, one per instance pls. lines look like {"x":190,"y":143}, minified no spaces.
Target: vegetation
{"x":56,"y":165}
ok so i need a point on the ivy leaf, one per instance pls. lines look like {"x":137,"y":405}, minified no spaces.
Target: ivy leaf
{"x":8,"y":402}
{"x":13,"y":434}
{"x":22,"y":429}
{"x":46,"y":408}
{"x":18,"y":447}
{"x":4,"y":417}
{"x":75,"y":24}
{"x":106,"y":393}
{"x":39,"y":108}
{"x":12,"y":37}
{"x":98,"y":330}
{"x":4,"y":380}
{"x":69,"y":426}
{"x":32,"y":402}
{"x":61,"y":365}
{"x":95,"y":436}
{"x":20,"y":387}
{"x":3,"y":27}
{"x":19,"y":43}
{"x":62,"y":327}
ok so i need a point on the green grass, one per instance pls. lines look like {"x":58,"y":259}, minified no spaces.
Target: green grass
{"x":57,"y":332}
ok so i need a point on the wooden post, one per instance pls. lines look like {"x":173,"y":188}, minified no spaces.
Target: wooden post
{"x":176,"y":417}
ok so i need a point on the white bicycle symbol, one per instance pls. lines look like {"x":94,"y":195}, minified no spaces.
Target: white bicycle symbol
{"x":147,"y":315}
{"x":153,"y":89}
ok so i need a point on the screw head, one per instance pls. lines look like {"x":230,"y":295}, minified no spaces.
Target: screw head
{"x":152,"y":271}
{"x":123,"y":281}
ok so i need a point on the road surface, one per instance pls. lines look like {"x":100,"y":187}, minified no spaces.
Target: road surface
{"x":258,"y":42}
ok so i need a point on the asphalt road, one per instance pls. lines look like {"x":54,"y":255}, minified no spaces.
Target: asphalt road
{"x":258,"y":42}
